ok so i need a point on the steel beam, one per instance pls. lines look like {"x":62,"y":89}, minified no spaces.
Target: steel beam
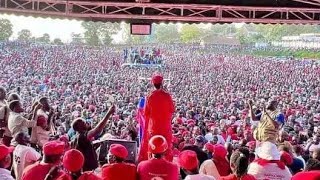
{"x":162,"y":12}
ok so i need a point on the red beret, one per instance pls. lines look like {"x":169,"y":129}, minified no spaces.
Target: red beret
{"x":286,"y":158}
{"x":73,"y":160}
{"x":310,"y":175}
{"x":158,"y":144}
{"x":119,"y":150}
{"x":157,"y":79}
{"x":53,"y":148}
{"x":4,"y":151}
{"x":89,"y":176}
{"x":220,"y":151}
{"x":188,"y":160}
{"x":209,"y":147}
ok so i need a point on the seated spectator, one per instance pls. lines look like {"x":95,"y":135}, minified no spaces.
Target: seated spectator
{"x":239,"y":165}
{"x":23,"y":155}
{"x":268,"y":164}
{"x":157,"y":167}
{"x":53,"y":151}
{"x":117,"y":168}
{"x":218,"y":165}
{"x":5,"y":162}
{"x":189,"y":164}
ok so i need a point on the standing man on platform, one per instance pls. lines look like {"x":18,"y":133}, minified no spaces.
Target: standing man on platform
{"x":158,"y":114}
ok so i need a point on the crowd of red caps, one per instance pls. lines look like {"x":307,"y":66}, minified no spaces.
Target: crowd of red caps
{"x":210,"y":93}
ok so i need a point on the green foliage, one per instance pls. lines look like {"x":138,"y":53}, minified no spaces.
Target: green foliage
{"x":44,"y":39}
{"x":5,"y":29}
{"x":190,"y":33}
{"x":166,"y":33}
{"x":24,"y":35}
{"x":76,"y":38}
{"x":97,"y":33}
{"x":57,"y":41}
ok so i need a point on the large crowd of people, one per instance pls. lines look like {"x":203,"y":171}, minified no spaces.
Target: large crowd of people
{"x":55,"y":101}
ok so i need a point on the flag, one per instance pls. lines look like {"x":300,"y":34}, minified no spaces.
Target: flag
{"x":140,"y":117}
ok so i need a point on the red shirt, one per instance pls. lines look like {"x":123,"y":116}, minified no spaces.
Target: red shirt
{"x":158,"y":111}
{"x":119,"y":171}
{"x":157,"y":168}
{"x":37,"y":171}
{"x":233,"y":177}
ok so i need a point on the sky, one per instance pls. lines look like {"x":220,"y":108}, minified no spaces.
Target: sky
{"x":56,"y":28}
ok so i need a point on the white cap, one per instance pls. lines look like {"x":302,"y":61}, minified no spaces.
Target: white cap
{"x":268,"y":151}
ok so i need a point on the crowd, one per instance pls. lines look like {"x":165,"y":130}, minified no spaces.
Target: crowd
{"x":56,"y":100}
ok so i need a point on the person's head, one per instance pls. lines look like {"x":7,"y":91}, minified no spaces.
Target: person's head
{"x":13,"y":96}
{"x":316,"y":154}
{"x":283,"y":135}
{"x":157,"y":81}
{"x":298,"y":150}
{"x":22,"y":138}
{"x":268,"y":151}
{"x":239,"y":163}
{"x":272,"y":105}
{"x":3,"y":93}
{"x":117,"y":153}
{"x":73,"y":160}
{"x":188,"y":162}
{"x":53,"y":151}
{"x":5,"y":157}
{"x":45,"y":103}
{"x":80,"y":125}
{"x":316,"y":139}
{"x":16,"y":106}
{"x":200,"y":141}
{"x":219,"y":151}
{"x":214,"y":139}
{"x":215,"y":130}
{"x":158,"y":146}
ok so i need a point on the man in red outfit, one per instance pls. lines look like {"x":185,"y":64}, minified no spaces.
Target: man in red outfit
{"x":157,"y":168}
{"x":117,"y":168}
{"x":158,"y":114}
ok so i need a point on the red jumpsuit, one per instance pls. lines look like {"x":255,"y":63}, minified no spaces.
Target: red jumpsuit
{"x":158,"y":112}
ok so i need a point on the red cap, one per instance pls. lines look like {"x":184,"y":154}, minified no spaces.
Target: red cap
{"x":53,"y":148}
{"x":89,"y":176}
{"x":209,"y":147}
{"x":158,"y":144}
{"x":4,"y":151}
{"x":190,"y":121}
{"x":41,"y":120}
{"x":157,"y":79}
{"x":73,"y":160}
{"x":286,"y":158}
{"x":188,"y":160}
{"x":220,"y":151}
{"x":118,"y":150}
{"x":64,"y":176}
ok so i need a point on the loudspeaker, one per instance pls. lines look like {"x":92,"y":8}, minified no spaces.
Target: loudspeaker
{"x":130,"y":145}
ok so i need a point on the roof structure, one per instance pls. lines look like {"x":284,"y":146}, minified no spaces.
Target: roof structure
{"x":191,"y":11}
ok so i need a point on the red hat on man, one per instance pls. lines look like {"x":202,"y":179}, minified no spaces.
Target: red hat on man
{"x":5,"y":151}
{"x":209,"y":147}
{"x":157,"y":79}
{"x":53,"y":148}
{"x":158,"y":144}
{"x":118,"y":150}
{"x":220,"y":151}
{"x":73,"y":160}
{"x":188,"y":160}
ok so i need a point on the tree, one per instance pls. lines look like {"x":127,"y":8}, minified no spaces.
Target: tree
{"x":76,"y":38}
{"x":57,"y":41}
{"x":5,"y":29}
{"x":24,"y":35}
{"x":98,"y":32}
{"x":166,"y":33}
{"x":190,"y":33}
{"x":44,"y":39}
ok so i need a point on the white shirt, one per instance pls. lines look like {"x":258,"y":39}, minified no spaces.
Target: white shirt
{"x":17,"y":123}
{"x":269,"y":171}
{"x":314,"y":147}
{"x":199,"y":177}
{"x":5,"y":174}
{"x":209,"y":137}
{"x":23,"y":156}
